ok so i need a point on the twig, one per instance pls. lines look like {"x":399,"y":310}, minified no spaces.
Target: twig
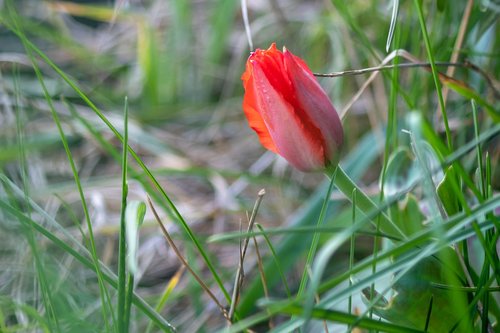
{"x":372,"y":77}
{"x":184,"y":262}
{"x":456,"y":48}
{"x":414,"y":62}
{"x":240,"y":273}
{"x":387,"y":67}
{"x":262,"y":275}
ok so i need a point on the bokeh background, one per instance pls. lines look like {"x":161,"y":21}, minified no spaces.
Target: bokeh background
{"x":178,"y":63}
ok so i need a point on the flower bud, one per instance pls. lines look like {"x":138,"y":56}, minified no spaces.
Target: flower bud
{"x":290,"y":112}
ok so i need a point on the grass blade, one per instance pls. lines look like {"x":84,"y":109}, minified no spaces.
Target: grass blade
{"x":122,"y":315}
{"x":74,"y":248}
{"x":435,"y":76}
{"x":105,"y":298}
{"x":172,"y":209}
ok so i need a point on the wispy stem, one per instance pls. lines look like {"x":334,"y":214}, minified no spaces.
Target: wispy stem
{"x":122,"y":245}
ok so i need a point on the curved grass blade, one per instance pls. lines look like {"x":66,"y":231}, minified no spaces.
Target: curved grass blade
{"x":105,"y":298}
{"x":71,"y":249}
{"x":392,"y":27}
{"x":172,"y":209}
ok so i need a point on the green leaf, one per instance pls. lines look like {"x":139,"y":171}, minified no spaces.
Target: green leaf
{"x":134,"y":217}
{"x":446,"y":192}
{"x":408,"y":216}
{"x":413,"y":293}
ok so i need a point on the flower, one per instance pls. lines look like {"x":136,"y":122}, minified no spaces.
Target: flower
{"x":290,"y":112}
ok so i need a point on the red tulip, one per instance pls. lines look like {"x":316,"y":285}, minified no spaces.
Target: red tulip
{"x":290,"y":112}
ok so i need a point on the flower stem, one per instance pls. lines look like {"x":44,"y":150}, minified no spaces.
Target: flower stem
{"x":344,"y":183}
{"x":315,"y":241}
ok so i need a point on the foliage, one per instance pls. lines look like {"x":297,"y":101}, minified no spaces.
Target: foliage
{"x":106,"y":105}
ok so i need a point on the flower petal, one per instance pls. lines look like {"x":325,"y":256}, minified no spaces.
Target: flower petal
{"x":250,"y":108}
{"x":315,"y":103}
{"x":302,"y":147}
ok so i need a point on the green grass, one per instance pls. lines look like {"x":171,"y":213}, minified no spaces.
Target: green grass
{"x":403,"y":237}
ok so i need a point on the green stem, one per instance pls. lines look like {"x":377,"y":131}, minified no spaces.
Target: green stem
{"x":315,"y":240}
{"x":122,"y":246}
{"x":365,"y":204}
{"x":435,"y":75}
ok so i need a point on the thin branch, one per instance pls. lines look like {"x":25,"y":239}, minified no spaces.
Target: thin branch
{"x":387,"y":67}
{"x":414,"y":62}
{"x":492,"y":82}
{"x":262,"y":275}
{"x":238,"y":282}
{"x":184,"y":262}
{"x":456,"y":48}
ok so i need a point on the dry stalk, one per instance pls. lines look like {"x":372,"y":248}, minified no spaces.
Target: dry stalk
{"x":414,"y":62}
{"x":240,"y":274}
{"x":184,"y":262}
{"x":262,"y":276}
{"x":456,"y":49}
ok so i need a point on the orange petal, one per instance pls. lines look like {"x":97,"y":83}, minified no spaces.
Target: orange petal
{"x":317,"y":107}
{"x":292,"y":136}
{"x":250,"y":108}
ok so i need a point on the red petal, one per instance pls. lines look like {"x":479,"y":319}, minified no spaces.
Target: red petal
{"x":312,"y":99}
{"x":250,"y":108}
{"x":297,"y":142}
{"x":289,"y":110}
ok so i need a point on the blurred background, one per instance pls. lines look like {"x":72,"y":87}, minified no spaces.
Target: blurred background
{"x":178,"y":63}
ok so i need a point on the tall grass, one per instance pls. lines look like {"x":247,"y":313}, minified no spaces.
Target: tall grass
{"x":403,"y":238}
